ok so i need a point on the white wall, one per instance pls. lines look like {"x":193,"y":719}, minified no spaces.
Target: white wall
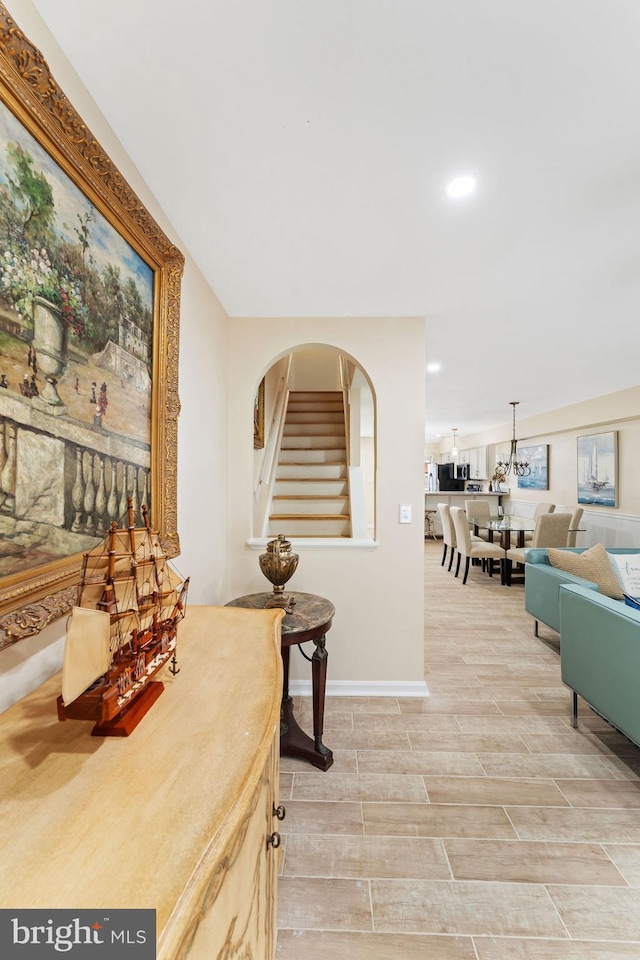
{"x":315,"y":369}
{"x":377,"y":634}
{"x":202,"y":437}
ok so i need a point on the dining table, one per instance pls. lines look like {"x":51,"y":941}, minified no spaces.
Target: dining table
{"x":507,"y":525}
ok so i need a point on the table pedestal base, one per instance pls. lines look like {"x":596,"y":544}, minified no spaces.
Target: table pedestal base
{"x":294,"y":742}
{"x":308,"y":619}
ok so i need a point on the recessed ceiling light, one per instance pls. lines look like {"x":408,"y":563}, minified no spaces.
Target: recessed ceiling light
{"x":433,"y":367}
{"x":461,"y":187}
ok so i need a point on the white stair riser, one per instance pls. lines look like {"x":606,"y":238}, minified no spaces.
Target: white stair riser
{"x":314,"y":408}
{"x":315,"y":470}
{"x":309,"y":528}
{"x":310,"y":507}
{"x":315,"y":396}
{"x":315,"y":416}
{"x":319,"y":442}
{"x":310,"y":488}
{"x":294,"y":455}
{"x":314,"y":430}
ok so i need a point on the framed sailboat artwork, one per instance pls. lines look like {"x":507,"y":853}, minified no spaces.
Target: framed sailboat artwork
{"x":598,"y":469}
{"x":89,"y":335}
{"x":538,"y":459}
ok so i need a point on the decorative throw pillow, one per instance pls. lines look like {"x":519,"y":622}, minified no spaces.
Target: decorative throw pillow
{"x":594,"y":565}
{"x":627,"y":567}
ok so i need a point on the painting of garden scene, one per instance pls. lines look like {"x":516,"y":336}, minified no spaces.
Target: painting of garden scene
{"x":76,"y":348}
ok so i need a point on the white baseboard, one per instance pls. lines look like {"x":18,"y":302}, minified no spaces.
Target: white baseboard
{"x":364,"y":688}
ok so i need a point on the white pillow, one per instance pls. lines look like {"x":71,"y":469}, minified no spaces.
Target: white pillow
{"x":627,"y":569}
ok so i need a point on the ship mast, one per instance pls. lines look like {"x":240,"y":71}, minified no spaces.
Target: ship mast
{"x":132,"y":547}
{"x":108,"y":599}
{"x":132,"y":536}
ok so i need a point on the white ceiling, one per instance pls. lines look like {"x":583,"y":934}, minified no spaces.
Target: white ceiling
{"x":301,"y":149}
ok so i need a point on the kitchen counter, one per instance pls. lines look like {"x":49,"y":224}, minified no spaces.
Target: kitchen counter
{"x":467,"y":494}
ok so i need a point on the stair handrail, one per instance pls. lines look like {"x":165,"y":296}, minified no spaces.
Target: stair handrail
{"x":266,"y":478}
{"x":345,"y":380}
{"x":346,"y":377}
{"x":277,"y":421}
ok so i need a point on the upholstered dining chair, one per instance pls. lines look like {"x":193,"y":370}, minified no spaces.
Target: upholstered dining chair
{"x":448,"y":533}
{"x":552,"y":530}
{"x":478,"y":510}
{"x":539,"y":510}
{"x":473,"y":549}
{"x":576,"y":517}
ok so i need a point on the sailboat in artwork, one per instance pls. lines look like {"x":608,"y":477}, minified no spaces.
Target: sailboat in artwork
{"x":122,"y":630}
{"x":592,"y":472}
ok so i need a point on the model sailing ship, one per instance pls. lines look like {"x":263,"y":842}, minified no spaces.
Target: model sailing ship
{"x":122,"y":630}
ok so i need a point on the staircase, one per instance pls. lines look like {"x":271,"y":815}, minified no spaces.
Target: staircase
{"x":311,"y":497}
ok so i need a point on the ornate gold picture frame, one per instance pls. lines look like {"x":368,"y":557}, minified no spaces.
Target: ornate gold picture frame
{"x":89,"y":334}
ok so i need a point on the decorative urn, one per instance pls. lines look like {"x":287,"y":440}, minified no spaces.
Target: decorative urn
{"x":278,"y":565}
{"x":50,"y":341}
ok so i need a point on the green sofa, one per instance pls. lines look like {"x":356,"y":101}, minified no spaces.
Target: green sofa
{"x":542,"y":584}
{"x":600,"y":655}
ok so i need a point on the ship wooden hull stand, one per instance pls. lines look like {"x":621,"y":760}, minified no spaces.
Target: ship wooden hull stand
{"x":122,"y":630}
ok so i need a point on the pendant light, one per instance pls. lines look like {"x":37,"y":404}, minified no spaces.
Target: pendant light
{"x":454,"y":449}
{"x":519,"y":468}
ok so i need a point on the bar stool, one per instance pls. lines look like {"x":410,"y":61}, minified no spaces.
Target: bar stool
{"x":429,"y":526}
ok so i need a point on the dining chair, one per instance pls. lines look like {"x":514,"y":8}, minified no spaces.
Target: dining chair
{"x":478,"y":510}
{"x":575,"y":523}
{"x":552,"y":530}
{"x":448,"y":533}
{"x":540,"y":509}
{"x":473,"y":548}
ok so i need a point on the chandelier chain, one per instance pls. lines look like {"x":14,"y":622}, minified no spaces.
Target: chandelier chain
{"x":520,"y":468}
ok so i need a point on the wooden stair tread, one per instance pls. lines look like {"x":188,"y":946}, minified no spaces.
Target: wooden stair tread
{"x":310,"y":496}
{"x":308,"y":516}
{"x":310,"y":479}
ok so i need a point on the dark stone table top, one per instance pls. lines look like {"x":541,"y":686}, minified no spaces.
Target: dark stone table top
{"x":309,"y":612}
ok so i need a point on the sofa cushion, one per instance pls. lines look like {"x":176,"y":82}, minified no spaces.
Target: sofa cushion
{"x":594,"y":565}
{"x":627,"y":568}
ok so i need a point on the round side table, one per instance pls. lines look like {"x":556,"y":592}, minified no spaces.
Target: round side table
{"x":310,"y":619}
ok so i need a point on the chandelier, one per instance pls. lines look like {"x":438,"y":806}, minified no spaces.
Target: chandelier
{"x":454,"y":449}
{"x":520,"y":468}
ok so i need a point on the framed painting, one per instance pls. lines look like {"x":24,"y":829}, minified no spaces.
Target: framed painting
{"x":258,"y":418}
{"x":598,"y":469}
{"x":538,"y":459}
{"x":89,"y":330}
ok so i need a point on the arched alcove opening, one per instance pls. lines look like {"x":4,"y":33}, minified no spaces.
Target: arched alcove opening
{"x":315,"y":447}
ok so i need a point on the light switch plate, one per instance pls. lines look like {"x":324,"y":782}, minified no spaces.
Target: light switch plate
{"x":405,"y":513}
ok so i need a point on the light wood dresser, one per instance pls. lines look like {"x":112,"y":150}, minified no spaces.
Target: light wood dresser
{"x":181,"y":817}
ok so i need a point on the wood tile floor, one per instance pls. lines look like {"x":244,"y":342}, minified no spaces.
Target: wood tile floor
{"x":474,"y":824}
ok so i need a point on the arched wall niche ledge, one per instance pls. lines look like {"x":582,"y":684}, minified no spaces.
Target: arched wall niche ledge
{"x":314,"y":543}
{"x":351,"y":489}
